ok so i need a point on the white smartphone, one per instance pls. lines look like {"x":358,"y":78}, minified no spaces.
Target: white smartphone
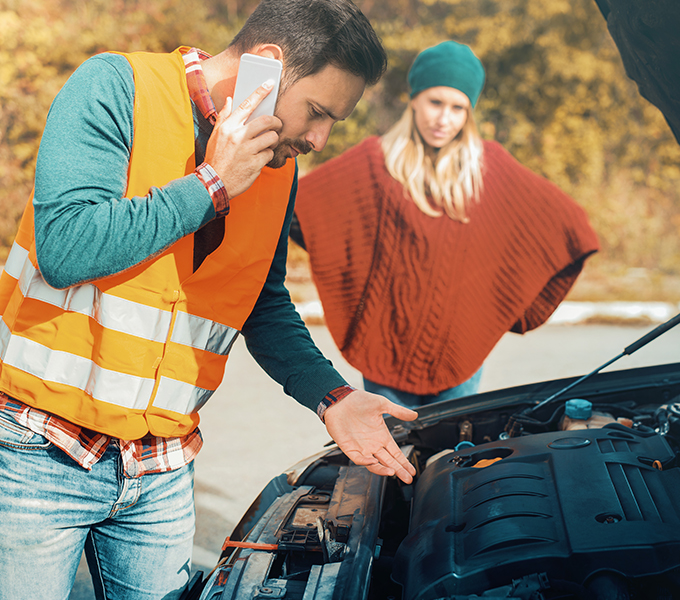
{"x":253,"y":71}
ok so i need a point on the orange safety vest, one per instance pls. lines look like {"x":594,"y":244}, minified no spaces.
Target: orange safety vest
{"x":143,"y":350}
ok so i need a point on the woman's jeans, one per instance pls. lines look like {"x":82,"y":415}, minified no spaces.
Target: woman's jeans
{"x":467,"y":388}
{"x":137,"y":532}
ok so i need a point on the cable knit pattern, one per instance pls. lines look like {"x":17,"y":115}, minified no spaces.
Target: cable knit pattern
{"x":417,"y":303}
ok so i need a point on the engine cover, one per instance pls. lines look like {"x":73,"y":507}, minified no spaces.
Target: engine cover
{"x":568,"y":504}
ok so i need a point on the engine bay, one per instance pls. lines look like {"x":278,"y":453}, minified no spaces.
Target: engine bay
{"x":506,"y":503}
{"x":552,"y":510}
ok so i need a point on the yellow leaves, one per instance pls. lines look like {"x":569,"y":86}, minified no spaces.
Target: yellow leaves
{"x":556,"y":94}
{"x":636,"y":226}
{"x":571,"y":63}
{"x":544,"y":10}
{"x":9,"y":26}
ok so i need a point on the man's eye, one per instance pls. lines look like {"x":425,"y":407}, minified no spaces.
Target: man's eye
{"x":315,"y":113}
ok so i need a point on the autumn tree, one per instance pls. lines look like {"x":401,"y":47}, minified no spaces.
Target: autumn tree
{"x":556,"y":96}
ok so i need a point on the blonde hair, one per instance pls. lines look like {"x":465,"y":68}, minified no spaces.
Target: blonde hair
{"x":451,"y":178}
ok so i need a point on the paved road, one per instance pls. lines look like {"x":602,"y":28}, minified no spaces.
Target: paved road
{"x":253,"y":431}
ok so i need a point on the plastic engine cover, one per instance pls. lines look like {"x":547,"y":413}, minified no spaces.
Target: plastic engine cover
{"x":567,"y":504}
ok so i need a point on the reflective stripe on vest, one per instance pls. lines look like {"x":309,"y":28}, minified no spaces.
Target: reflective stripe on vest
{"x":116,"y":314}
{"x":143,"y":350}
{"x":119,"y":314}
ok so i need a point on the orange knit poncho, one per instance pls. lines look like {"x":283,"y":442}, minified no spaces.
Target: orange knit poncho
{"x":417,"y":303}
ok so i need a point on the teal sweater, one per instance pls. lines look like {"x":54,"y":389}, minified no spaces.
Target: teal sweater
{"x":86,"y":229}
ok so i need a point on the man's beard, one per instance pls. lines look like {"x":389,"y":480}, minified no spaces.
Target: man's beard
{"x":282,"y":151}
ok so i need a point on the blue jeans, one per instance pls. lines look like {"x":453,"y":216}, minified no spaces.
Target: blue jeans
{"x":467,"y":388}
{"x":137,"y":532}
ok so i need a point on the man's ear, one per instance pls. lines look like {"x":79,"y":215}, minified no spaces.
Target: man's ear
{"x":268,"y":50}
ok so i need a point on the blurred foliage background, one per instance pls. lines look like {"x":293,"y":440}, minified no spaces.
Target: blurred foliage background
{"x":556,"y":96}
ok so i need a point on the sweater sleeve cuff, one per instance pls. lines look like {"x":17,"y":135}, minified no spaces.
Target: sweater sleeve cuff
{"x":215,"y":186}
{"x":333,"y":397}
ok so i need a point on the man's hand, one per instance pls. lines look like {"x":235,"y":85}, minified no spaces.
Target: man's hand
{"x":238,"y":151}
{"x":356,"y":424}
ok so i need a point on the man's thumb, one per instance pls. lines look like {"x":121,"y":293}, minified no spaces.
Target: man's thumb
{"x":401,"y":412}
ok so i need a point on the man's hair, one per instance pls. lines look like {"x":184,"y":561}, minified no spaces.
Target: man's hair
{"x":314,"y":34}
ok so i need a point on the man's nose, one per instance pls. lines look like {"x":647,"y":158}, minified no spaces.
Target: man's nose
{"x":318,"y":136}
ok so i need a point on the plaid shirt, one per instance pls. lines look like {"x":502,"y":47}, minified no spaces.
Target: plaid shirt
{"x":150,"y":454}
{"x":200,"y":95}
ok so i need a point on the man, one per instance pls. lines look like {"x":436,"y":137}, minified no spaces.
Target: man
{"x":157,"y":232}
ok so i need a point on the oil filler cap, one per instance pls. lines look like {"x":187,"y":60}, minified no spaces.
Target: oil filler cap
{"x":568,"y":443}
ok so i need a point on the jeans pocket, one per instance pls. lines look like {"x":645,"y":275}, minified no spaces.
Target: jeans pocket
{"x":14,"y":435}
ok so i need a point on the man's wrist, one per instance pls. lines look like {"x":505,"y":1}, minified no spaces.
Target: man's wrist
{"x":332,"y":398}
{"x":215,"y":186}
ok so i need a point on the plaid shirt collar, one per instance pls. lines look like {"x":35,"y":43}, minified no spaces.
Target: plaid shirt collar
{"x":198,"y":89}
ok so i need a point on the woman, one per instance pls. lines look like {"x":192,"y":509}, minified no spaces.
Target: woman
{"x":428,"y":244}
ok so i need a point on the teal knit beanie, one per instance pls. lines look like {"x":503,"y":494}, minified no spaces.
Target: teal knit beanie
{"x":449,"y":64}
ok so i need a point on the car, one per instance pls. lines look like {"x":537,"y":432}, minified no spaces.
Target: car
{"x":516,"y":495}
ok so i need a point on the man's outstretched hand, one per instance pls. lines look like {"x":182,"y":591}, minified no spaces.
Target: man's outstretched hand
{"x":356,"y":424}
